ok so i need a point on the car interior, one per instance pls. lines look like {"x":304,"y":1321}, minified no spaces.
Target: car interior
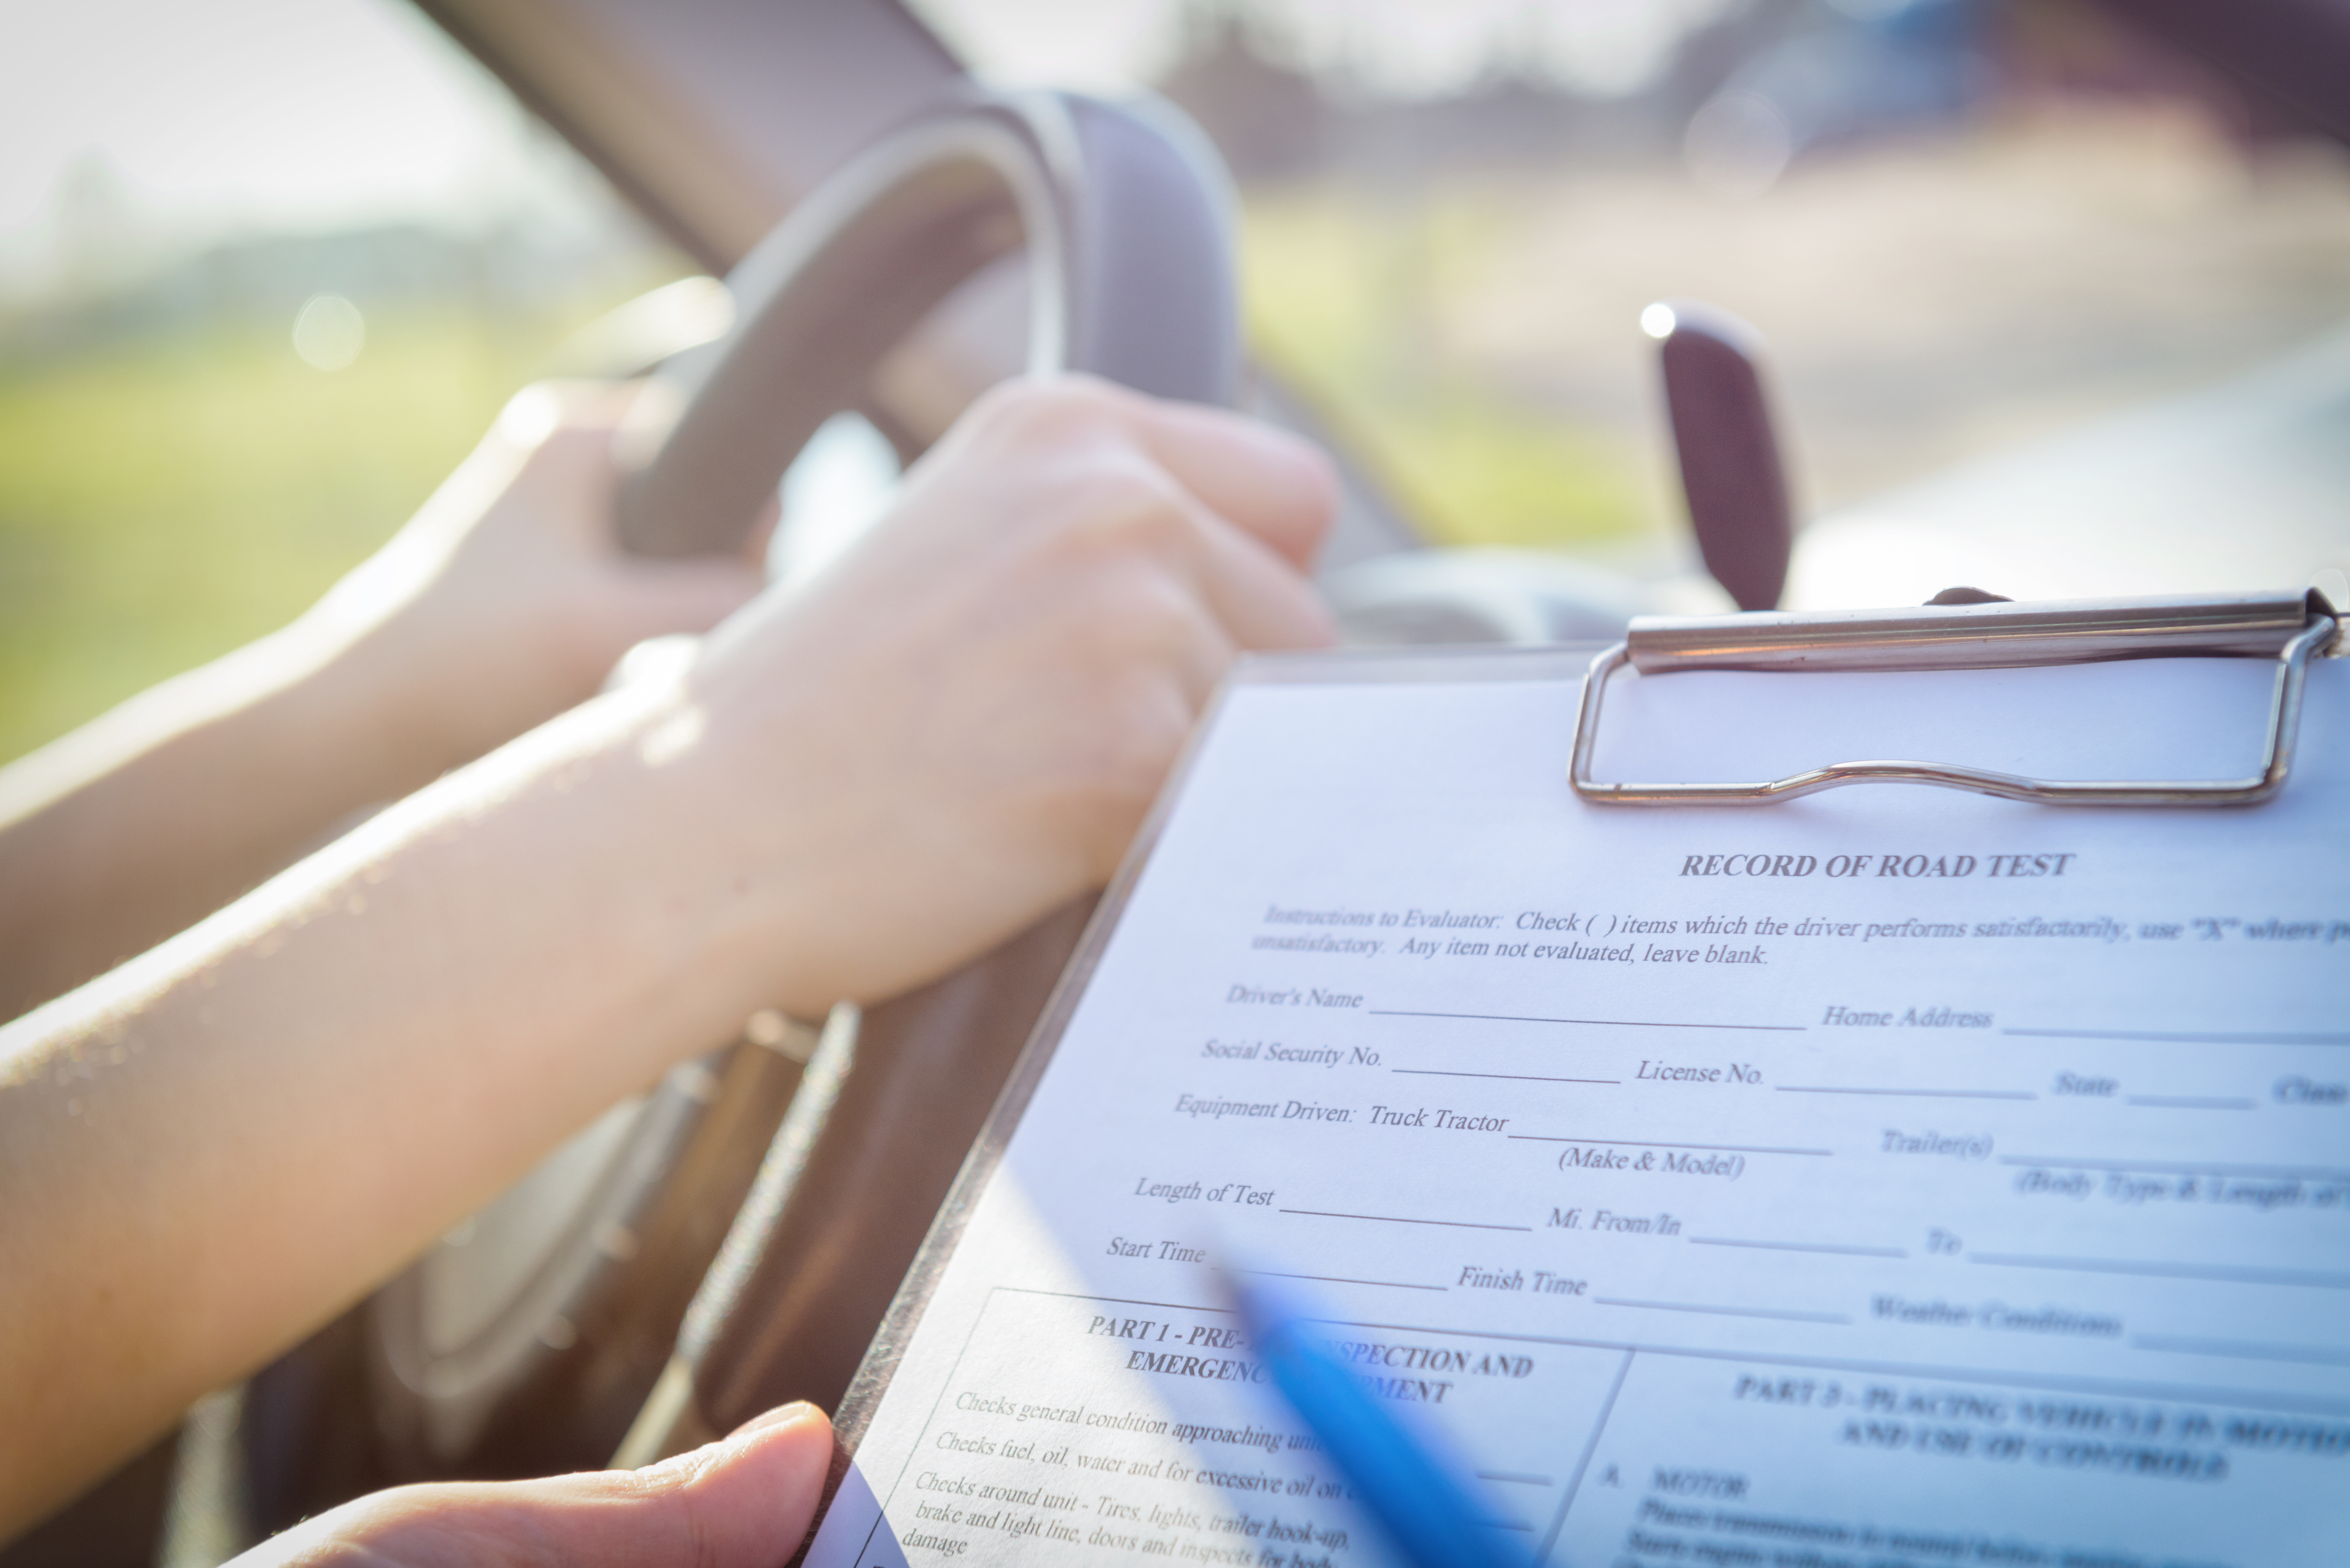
{"x":874,"y":227}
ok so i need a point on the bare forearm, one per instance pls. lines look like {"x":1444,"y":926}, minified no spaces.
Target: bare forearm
{"x":215,"y":1147}
{"x":859,"y":785}
{"x":503,"y":602}
{"x":183,"y":798}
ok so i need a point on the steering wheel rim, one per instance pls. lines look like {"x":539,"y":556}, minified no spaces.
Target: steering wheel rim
{"x":1134,"y":212}
{"x":1125,"y":215}
{"x":1124,"y":212}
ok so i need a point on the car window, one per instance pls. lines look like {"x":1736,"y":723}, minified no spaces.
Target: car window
{"x":268,"y":269}
{"x":1960,"y":227}
{"x":266,"y":272}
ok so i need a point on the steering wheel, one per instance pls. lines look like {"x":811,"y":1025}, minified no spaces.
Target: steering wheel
{"x":526,"y":1339}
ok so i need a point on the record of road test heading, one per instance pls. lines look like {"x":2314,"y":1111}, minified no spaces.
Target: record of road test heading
{"x":1889,"y":1175}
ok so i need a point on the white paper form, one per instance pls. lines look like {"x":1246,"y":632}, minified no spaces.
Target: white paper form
{"x":1895,"y":1177}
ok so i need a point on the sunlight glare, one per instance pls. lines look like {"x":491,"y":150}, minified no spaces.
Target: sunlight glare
{"x":329,"y":332}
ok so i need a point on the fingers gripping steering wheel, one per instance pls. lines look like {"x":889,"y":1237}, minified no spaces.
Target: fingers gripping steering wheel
{"x":1124,"y":219}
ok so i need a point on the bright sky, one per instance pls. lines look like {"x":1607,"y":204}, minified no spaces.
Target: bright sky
{"x":219,"y":114}
{"x":209,"y":115}
{"x":1407,"y":48}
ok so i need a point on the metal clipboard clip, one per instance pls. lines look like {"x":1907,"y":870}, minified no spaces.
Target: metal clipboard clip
{"x":2289,"y":628}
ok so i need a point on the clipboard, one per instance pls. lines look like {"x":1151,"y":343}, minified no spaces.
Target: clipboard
{"x":2289,"y":630}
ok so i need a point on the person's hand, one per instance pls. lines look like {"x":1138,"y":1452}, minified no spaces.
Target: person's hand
{"x":959,"y":725}
{"x":860,"y":781}
{"x":745,"y":1501}
{"x":507,"y":599}
{"x":503,"y":602}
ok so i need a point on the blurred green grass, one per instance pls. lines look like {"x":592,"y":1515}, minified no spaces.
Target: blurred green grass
{"x":165,"y":500}
{"x":1347,"y":293}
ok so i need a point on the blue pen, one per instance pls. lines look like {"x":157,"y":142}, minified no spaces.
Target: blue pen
{"x":1434,"y":1521}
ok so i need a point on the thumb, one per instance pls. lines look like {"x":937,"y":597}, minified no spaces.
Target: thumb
{"x":745,"y":1501}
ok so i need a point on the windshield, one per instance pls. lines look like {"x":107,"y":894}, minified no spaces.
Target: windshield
{"x":1959,"y":228}
{"x":266,"y":273}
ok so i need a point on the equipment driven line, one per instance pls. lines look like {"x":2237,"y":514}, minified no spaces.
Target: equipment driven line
{"x":1650,"y":1143}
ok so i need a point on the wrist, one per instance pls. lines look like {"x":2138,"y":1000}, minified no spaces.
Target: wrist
{"x":387,"y":710}
{"x":661,"y":858}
